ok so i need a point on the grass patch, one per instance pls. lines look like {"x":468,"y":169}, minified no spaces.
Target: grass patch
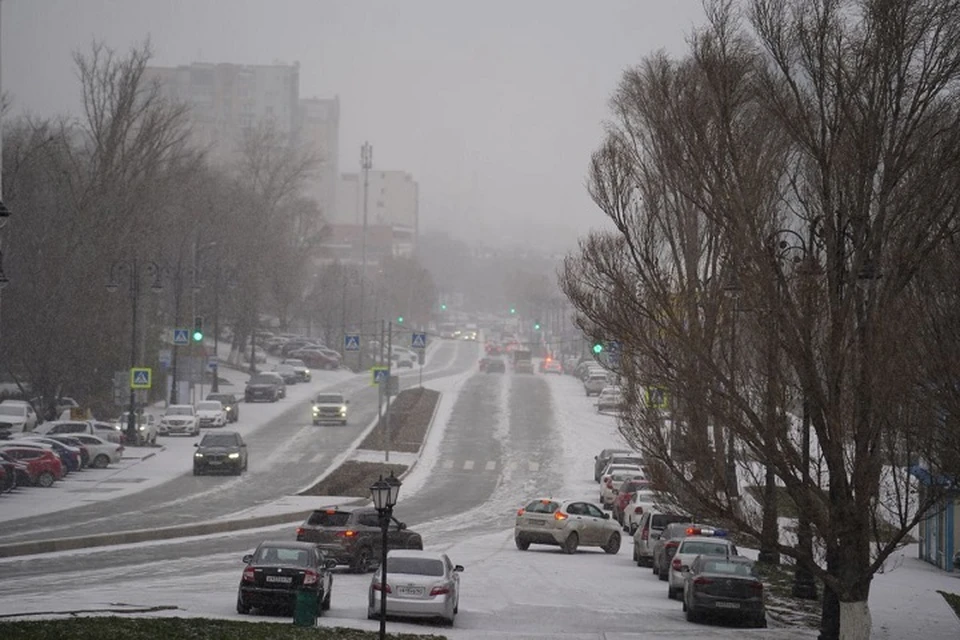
{"x":117,"y":628}
{"x":410,"y":414}
{"x":778,"y":584}
{"x":353,"y":478}
{"x":953,"y":600}
{"x":786,"y":507}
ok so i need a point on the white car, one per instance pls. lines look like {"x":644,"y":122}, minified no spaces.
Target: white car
{"x":147,"y":430}
{"x":708,"y":542}
{"x":626,"y":460}
{"x":17,"y":416}
{"x":610,"y":399}
{"x":568,"y":524}
{"x":71,"y":428}
{"x":421,"y":584}
{"x":180,"y":419}
{"x":641,"y":502}
{"x":612,"y":479}
{"x":102,"y":452}
{"x":210,"y":413}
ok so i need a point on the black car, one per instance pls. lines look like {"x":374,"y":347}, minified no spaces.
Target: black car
{"x":727,"y":586}
{"x":352,"y":535}
{"x":223,"y":452}
{"x":230,"y":404}
{"x":276,"y":571}
{"x":495,"y":365}
{"x":268,"y":387}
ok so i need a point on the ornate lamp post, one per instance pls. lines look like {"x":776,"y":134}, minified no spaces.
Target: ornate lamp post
{"x":133,"y":269}
{"x":385,"y":494}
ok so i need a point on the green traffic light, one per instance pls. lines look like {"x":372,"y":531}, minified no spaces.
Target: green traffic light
{"x":400,"y":319}
{"x":597,"y":348}
{"x":197,"y":336}
{"x":536,"y":327}
{"x":443,"y":307}
{"x":512,"y":310}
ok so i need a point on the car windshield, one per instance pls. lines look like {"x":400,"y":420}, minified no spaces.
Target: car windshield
{"x":541,"y":506}
{"x":180,"y":411}
{"x":329,"y":518}
{"x":219,"y":440}
{"x":221,"y":399}
{"x":263,"y":380}
{"x":209,"y":406}
{"x":416,"y":566}
{"x":294,"y":363}
{"x":661,"y":520}
{"x":12,"y":410}
{"x":729,"y":568}
{"x":699,"y":547}
{"x":280,"y":555}
{"x":329,"y":399}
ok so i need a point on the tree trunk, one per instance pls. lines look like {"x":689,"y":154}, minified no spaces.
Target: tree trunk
{"x":830,"y":609}
{"x":770,"y":533}
{"x":855,"y":621}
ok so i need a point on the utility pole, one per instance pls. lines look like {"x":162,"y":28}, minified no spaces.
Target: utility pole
{"x":366,"y":163}
{"x":386,"y":419}
{"x":380,"y":392}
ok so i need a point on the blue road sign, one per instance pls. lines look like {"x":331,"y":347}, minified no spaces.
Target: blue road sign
{"x":380,"y":374}
{"x":181,"y":336}
{"x":613,"y":347}
{"x":140,"y":378}
{"x":613,"y":358}
{"x":164,"y":357}
{"x":418,"y":340}
{"x":351,"y":342}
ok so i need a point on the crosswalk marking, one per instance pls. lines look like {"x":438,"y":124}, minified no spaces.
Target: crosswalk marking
{"x":491,"y":465}
{"x":534,"y":466}
{"x":468,"y":465}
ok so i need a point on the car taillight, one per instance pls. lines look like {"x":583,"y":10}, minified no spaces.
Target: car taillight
{"x":520,"y":512}
{"x":645,"y":534}
{"x":300,"y":531}
{"x":248,"y":574}
{"x":560,"y":515}
{"x":676,"y":564}
{"x":700,"y":581}
{"x":349,"y":533}
{"x":638,"y":510}
{"x":378,"y":587}
{"x":437,"y":591}
{"x":310,"y":577}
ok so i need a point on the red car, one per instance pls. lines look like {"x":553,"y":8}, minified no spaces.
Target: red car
{"x":317,"y":359}
{"x":624,"y":495}
{"x":43,"y":466}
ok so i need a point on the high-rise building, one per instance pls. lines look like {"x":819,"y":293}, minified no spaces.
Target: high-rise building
{"x":320,"y":131}
{"x":393,"y":198}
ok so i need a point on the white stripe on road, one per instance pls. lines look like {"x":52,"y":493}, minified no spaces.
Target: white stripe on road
{"x":491,"y":465}
{"x":468,"y":465}
{"x":534,"y":466}
{"x":318,"y":457}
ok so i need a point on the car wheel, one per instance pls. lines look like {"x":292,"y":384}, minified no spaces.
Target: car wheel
{"x":672,"y":594}
{"x":372,"y":615}
{"x":45,"y":479}
{"x":692,"y":616}
{"x":662,"y":575}
{"x":522,"y":543}
{"x":613,"y":544}
{"x":325,"y":603}
{"x":361,"y":561}
{"x":242,"y":608}
{"x":101,"y":461}
{"x":632,"y":528}
{"x":636,"y":556}
{"x":571,"y":543}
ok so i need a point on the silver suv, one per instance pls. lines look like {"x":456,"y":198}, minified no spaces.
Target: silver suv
{"x":567,"y":524}
{"x":651,"y":525}
{"x":330,"y":407}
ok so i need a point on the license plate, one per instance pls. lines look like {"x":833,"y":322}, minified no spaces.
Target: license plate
{"x":215,"y":462}
{"x":281,"y":579}
{"x":537,"y":523}
{"x":410,"y":591}
{"x":728,"y":605}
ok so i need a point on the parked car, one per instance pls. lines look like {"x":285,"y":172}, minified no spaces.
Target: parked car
{"x":180,"y":419}
{"x":303,"y":371}
{"x":568,"y":524}
{"x":625,"y":491}
{"x":595,"y":383}
{"x":329,"y":407}
{"x":624,"y":460}
{"x":328,"y":528}
{"x":651,"y":526}
{"x":315,"y":358}
{"x":278,"y":570}
{"x":263,"y":386}
{"x":103,"y":452}
{"x":69,"y":455}
{"x":73,"y":427}
{"x":16,"y":416}
{"x":613,"y":478}
{"x":641,"y":501}
{"x":288,"y":373}
{"x":601,"y":460}
{"x":147,"y":429}
{"x":610,"y":399}
{"x":724,"y":586}
{"x":224,"y":451}
{"x":706,"y":543}
{"x":421,"y":584}
{"x":230,"y":403}
{"x":21,"y":469}
{"x":8,"y":475}
{"x":210,"y":413}
{"x":44,"y":466}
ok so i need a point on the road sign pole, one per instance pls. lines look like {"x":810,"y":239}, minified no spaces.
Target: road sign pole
{"x":386,"y":420}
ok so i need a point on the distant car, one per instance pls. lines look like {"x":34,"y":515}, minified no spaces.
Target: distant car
{"x":495,"y":365}
{"x":651,"y":525}
{"x":224,"y":451}
{"x":612,"y":480}
{"x":552,"y":366}
{"x":277,"y":571}
{"x":421,"y":584}
{"x":230,"y":403}
{"x":180,"y":419}
{"x":723,"y":586}
{"x":329,"y":407}
{"x":16,"y":416}
{"x":595,"y":383}
{"x":610,"y":399}
{"x":300,"y":367}
{"x":624,"y":460}
{"x":316,"y":357}
{"x":523,"y":366}
{"x":352,"y":535}
{"x":600,"y":460}
{"x":568,"y":524}
{"x":263,"y":386}
{"x":402,"y":360}
{"x":288,"y":373}
{"x":210,"y":413}
{"x":147,"y":429}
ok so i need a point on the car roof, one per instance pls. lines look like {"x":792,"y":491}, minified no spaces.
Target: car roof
{"x":287,"y":544}
{"x":415,"y":553}
{"x":722,"y":539}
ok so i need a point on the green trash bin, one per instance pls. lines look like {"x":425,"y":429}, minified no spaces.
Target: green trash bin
{"x":306,"y":608}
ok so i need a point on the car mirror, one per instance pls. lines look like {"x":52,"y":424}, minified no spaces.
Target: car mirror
{"x":247,"y":558}
{"x":330,"y":564}
{"x":402,"y":526}
{"x":196,"y":444}
{"x":458,"y":568}
{"x":606,"y":516}
{"x":243,"y":444}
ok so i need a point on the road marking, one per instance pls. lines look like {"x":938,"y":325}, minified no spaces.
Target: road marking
{"x":534,"y":466}
{"x":318,"y":457}
{"x":491,"y":465}
{"x":468,"y":465}
{"x":448,"y":464}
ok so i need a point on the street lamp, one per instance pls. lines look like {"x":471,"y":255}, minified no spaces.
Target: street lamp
{"x":132,"y":268}
{"x":384,"y":493}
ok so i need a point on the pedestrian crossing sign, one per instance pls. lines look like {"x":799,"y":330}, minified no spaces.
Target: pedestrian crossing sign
{"x":351,"y":342}
{"x":418,"y":340}
{"x":656,"y":398}
{"x":140,"y":378}
{"x":380,"y":374}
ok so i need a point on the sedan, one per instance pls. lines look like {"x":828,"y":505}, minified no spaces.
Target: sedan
{"x":705,"y":543}
{"x":567,"y":524}
{"x":276,"y":571}
{"x":724,"y":586}
{"x":420,"y":584}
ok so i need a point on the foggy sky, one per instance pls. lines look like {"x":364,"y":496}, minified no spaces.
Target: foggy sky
{"x":494,"y":106}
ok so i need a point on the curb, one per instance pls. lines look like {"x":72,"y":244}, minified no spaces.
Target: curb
{"x":426,"y":436}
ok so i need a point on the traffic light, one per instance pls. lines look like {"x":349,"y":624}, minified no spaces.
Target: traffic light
{"x":400,"y":319}
{"x":443,"y":307}
{"x":597,"y":348}
{"x":197,"y":328}
{"x":513,"y":310}
{"x":536,"y":326}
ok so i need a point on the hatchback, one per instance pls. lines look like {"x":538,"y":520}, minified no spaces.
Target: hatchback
{"x":567,"y":524}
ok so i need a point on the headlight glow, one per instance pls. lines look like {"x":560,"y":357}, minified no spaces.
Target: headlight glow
{"x":233,"y":456}
{"x":198,"y":455}
{"x":343,"y":410}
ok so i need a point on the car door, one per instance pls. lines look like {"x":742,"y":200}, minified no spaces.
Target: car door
{"x":581,"y":522}
{"x":596,"y":520}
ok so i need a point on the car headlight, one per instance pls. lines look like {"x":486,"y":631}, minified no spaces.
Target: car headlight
{"x":198,"y":455}
{"x":343,"y":411}
{"x":233,"y":456}
{"x":228,"y":409}
{"x":316,"y":409}
{"x":142,"y":427}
